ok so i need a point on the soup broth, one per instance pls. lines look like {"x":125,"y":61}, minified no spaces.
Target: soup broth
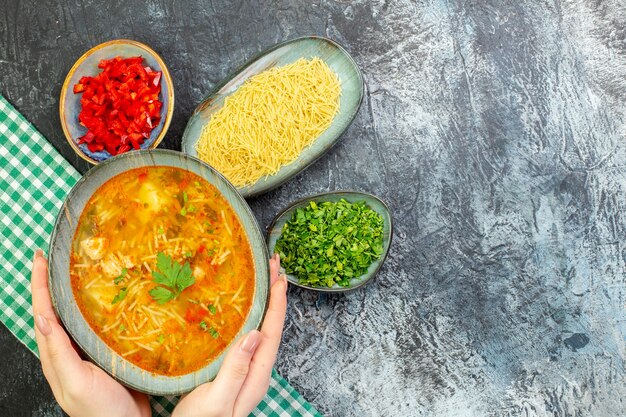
{"x":161,"y":269}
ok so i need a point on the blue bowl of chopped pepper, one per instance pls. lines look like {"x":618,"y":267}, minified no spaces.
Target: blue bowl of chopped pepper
{"x":113,"y":102}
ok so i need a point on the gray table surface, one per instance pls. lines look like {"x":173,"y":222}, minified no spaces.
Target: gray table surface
{"x":496,"y":133}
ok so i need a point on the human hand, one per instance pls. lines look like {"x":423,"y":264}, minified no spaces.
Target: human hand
{"x":80,"y":387}
{"x":244,"y":377}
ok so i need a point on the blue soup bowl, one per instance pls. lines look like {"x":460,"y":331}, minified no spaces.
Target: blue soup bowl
{"x":62,"y":293}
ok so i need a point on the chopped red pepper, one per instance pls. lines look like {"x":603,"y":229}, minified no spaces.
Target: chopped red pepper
{"x":183,"y":184}
{"x":120,"y":106}
{"x":194,"y":314}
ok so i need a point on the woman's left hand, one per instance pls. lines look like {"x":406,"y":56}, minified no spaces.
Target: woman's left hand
{"x":80,"y":387}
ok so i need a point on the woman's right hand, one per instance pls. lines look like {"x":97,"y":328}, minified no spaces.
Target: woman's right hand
{"x":244,"y":377}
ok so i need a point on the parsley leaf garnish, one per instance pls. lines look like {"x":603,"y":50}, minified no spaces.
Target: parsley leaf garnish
{"x":173,"y":278}
{"x":162,"y":295}
{"x":212,"y":308}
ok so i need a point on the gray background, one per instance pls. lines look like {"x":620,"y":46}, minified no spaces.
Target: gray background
{"x":495,"y":131}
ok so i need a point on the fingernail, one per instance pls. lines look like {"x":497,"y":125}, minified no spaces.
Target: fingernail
{"x":42,"y":325}
{"x":251,"y":341}
{"x":38,"y":253}
{"x":282,"y":280}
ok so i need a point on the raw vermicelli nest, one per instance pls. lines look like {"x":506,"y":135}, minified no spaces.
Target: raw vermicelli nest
{"x":270,"y":120}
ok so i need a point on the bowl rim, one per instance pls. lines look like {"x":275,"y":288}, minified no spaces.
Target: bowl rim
{"x":165,"y":75}
{"x":51,"y":254}
{"x":272,"y":48}
{"x":291,"y":205}
{"x":245,"y":190}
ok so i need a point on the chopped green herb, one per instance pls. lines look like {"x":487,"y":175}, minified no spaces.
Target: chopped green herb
{"x":188,"y":254}
{"x":186,"y":208}
{"x":160,"y":338}
{"x":329,"y":243}
{"x":208,"y":329}
{"x":121,"y":328}
{"x":209,"y":228}
{"x":121,"y":277}
{"x":173,"y":277}
{"x":120,"y":296}
{"x":160,"y":230}
{"x":212,"y":308}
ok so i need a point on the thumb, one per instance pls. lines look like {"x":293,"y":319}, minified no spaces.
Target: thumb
{"x":235,"y":368}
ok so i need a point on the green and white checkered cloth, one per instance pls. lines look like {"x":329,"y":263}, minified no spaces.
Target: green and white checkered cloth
{"x":34,"y":180}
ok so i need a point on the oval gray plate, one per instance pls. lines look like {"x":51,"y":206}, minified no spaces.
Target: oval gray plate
{"x":373,"y":202}
{"x":282,"y":54}
{"x":63,"y":296}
